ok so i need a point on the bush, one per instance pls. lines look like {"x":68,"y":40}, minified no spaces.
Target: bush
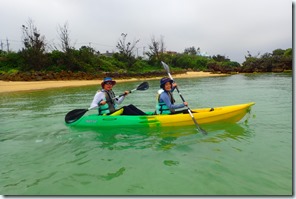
{"x":10,"y":61}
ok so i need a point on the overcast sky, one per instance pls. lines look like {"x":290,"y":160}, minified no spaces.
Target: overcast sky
{"x":225,"y":27}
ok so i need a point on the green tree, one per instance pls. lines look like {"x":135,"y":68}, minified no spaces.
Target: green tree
{"x":278,"y":52}
{"x":57,"y":61}
{"x":288,"y":52}
{"x":156,"y":50}
{"x":34,"y":51}
{"x":88,"y":59}
{"x":220,"y":58}
{"x":192,"y":51}
{"x":126,"y":50}
{"x":10,"y":61}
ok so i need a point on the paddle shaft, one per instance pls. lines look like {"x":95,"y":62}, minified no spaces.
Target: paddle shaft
{"x":189,"y":111}
{"x":122,"y":95}
{"x":143,"y":86}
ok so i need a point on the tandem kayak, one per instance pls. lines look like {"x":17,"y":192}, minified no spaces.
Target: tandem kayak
{"x":227,"y":114}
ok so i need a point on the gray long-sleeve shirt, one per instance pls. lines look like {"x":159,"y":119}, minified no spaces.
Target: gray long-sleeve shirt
{"x":164,"y":97}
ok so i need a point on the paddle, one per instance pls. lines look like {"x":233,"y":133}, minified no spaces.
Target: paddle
{"x":75,"y":114}
{"x":143,"y":86}
{"x":167,"y":68}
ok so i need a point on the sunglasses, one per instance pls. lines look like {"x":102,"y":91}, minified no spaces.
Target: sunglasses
{"x":109,"y":83}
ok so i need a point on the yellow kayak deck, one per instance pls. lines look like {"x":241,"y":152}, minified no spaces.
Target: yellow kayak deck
{"x":230,"y":114}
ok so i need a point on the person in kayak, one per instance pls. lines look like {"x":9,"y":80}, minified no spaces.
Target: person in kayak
{"x":107,"y":103}
{"x":165,"y":102}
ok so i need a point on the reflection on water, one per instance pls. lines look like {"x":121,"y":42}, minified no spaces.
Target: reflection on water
{"x":164,"y":138}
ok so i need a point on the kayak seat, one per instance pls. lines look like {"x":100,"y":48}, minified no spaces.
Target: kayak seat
{"x":117,"y":112}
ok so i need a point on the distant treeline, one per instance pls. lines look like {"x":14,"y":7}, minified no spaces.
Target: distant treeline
{"x":34,"y":58}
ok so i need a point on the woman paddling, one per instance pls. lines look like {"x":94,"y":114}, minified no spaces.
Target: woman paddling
{"x":107,"y":103}
{"x":165,"y":102}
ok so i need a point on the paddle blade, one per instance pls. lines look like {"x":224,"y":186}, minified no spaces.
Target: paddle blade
{"x":166,"y":67}
{"x":143,"y":86}
{"x":203,"y":131}
{"x":74,"y":115}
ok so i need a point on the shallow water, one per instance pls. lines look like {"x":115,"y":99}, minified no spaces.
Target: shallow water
{"x":41,"y":156}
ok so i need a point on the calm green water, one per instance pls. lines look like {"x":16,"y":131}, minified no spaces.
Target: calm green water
{"x":40,"y":155}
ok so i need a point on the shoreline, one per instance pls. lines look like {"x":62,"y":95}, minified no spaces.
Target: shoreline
{"x":16,"y":86}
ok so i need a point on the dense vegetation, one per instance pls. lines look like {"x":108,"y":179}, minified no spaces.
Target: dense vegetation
{"x":34,"y":62}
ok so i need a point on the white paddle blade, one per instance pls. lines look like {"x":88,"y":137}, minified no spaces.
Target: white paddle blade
{"x":165,"y":66}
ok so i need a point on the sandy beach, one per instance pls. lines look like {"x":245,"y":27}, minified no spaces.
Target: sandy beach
{"x":15,"y":86}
